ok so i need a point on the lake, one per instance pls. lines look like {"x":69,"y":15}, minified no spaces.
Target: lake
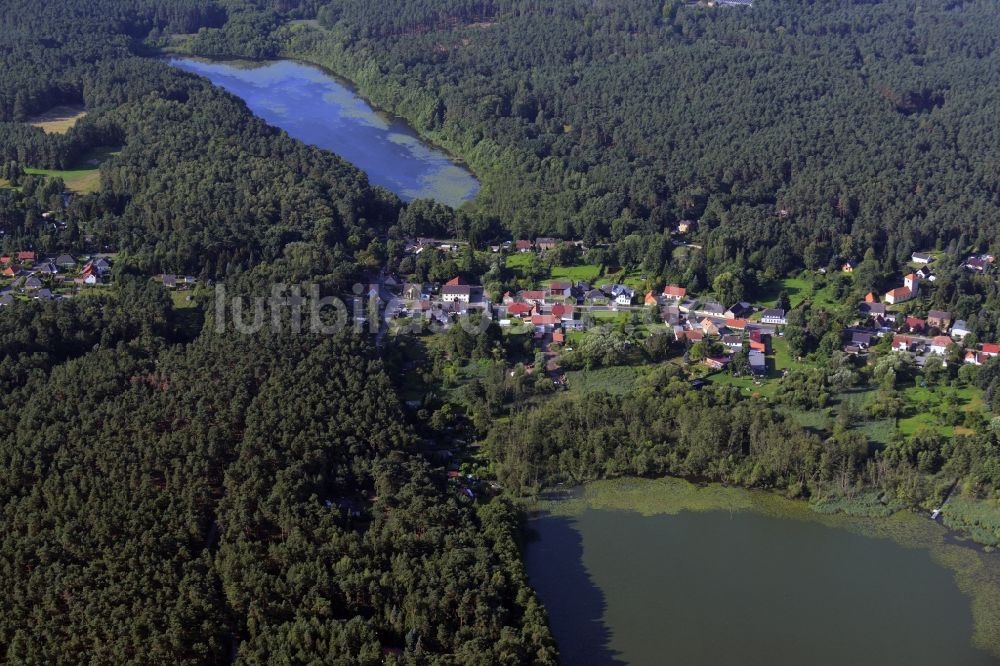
{"x":316,"y":108}
{"x":741,"y":586}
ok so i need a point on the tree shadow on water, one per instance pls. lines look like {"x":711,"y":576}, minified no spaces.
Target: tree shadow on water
{"x":554,"y":559}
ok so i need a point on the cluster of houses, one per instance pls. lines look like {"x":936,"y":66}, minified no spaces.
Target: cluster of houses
{"x":975,"y":263}
{"x":35,"y":278}
{"x":920,"y":336}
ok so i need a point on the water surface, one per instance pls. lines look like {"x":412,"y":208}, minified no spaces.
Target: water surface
{"x":316,"y":108}
{"x":738,"y":587}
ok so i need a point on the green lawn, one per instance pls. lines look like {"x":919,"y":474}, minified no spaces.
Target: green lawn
{"x":799,"y":289}
{"x":746,"y":385}
{"x":518,"y":261}
{"x":86,"y":177}
{"x":581,"y":273}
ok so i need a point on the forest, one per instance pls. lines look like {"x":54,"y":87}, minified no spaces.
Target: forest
{"x":795,"y":133}
{"x":176,"y":500}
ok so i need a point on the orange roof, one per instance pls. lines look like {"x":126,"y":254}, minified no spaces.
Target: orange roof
{"x":674,"y":291}
{"x":898,"y":293}
{"x":454,"y":282}
{"x":941,"y":341}
{"x":519,"y":308}
{"x":737,"y":324}
{"x":544,"y":320}
{"x":911,"y":276}
{"x":990,"y":348}
{"x":870,"y":298}
{"x":651,"y":298}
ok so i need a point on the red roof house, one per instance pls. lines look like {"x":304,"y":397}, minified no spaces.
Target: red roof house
{"x":675,"y":292}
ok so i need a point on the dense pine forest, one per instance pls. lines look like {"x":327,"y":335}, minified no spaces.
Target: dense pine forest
{"x":176,"y":500}
{"x":868,"y":123}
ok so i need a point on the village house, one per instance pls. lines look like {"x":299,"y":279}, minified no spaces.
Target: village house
{"x":939,"y":344}
{"x":760,"y":341}
{"x":32,"y":283}
{"x":26,"y":256}
{"x":709,"y":327}
{"x":921,"y":258}
{"x":595,"y":297}
{"x":870,"y":297}
{"x":544,"y":322}
{"x":912,"y":282}
{"x":461,"y":293}
{"x":674,"y":293}
{"x":989,"y":349}
{"x":847,"y":267}
{"x":535,"y":296}
{"x":902,"y":343}
{"x":939,"y":319}
{"x":758,"y":362}
{"x":974,"y":358}
{"x":545,"y":243}
{"x":416,"y":291}
{"x":862,"y":339}
{"x":692,"y":336}
{"x":523,"y":245}
{"x":688,"y":306}
{"x":773,"y":316}
{"x":737,"y":324}
{"x":915,"y":325}
{"x":671,"y":315}
{"x":560,"y":289}
{"x":622,"y":294}
{"x":976,"y":264}
{"x":717,"y":362}
{"x":733,"y":341}
{"x":739,"y":310}
{"x":564,"y":312}
{"x":711,"y":309}
{"x":65,"y":261}
{"x":651,"y":299}
{"x":520,"y":309}
{"x":872,"y":309}
{"x":898,"y":295}
{"x":959,"y":330}
{"x":684,"y":226}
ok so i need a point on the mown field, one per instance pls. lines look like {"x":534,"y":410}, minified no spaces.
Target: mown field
{"x":58,"y":119}
{"x":86,"y":177}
